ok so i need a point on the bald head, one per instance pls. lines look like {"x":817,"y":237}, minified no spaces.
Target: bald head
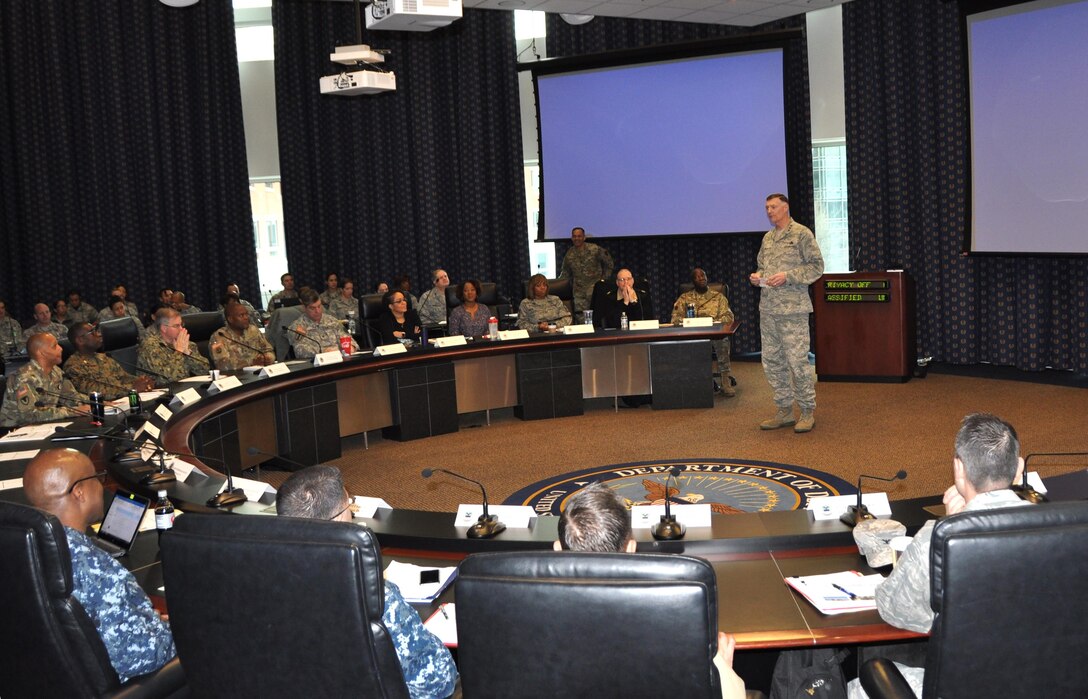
{"x":43,"y":348}
{"x":52,"y":474}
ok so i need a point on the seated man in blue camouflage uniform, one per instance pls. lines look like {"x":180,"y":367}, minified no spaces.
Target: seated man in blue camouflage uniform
{"x":63,"y":482}
{"x":318,"y":492}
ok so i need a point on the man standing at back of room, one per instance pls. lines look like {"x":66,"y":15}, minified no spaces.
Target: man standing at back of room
{"x":789,"y":260}
{"x":584,"y":264}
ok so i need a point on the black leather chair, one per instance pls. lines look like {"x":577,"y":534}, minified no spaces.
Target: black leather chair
{"x":1007,"y":588}
{"x":49,"y":647}
{"x":279,"y":607}
{"x":605,"y":290}
{"x":548,"y":624}
{"x":560,"y":288}
{"x":275,"y":333}
{"x":118,"y":333}
{"x":371,"y":309}
{"x":201,"y":326}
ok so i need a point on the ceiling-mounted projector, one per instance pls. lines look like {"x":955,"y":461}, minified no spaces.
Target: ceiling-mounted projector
{"x":359,"y":82}
{"x":412,"y":15}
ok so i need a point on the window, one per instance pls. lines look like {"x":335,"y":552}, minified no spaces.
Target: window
{"x":829,"y":199}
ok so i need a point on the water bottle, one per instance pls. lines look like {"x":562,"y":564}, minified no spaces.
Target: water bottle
{"x":623,"y":321}
{"x":351,"y":323}
{"x":493,"y":328}
{"x":691,"y":310}
{"x":164,"y":513}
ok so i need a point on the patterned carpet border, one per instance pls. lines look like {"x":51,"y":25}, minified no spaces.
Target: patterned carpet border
{"x":730,"y":486}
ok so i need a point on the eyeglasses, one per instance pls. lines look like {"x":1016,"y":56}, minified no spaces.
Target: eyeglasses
{"x":101,"y":475}
{"x":344,"y":509}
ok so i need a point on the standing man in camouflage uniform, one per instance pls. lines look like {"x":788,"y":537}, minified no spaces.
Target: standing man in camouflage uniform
{"x":90,"y":371}
{"x":166,"y":350}
{"x":24,"y":404}
{"x":44,"y":324}
{"x":789,"y":260}
{"x":239,"y":343}
{"x":709,"y":304}
{"x":11,"y":333}
{"x":315,"y":330}
{"x":584,"y":264}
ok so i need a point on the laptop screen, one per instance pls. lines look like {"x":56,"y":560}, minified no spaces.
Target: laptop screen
{"x":122,"y":521}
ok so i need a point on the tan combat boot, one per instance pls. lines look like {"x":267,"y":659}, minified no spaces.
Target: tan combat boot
{"x":783,"y":418}
{"x":806,"y":423}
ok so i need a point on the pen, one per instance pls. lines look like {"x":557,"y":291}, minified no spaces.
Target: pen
{"x":443,"y":610}
{"x":842,"y":589}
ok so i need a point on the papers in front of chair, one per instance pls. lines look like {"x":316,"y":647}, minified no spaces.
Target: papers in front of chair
{"x":646,"y":516}
{"x":513,"y":516}
{"x":838,"y":593}
{"x":408,"y":577}
{"x":363,"y":506}
{"x":11,"y":483}
{"x":443,"y":623}
{"x":254,"y":490}
{"x":834,"y":506}
{"x":33,"y":433}
{"x":18,"y":456}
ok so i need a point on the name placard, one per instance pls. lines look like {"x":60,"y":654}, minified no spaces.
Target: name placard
{"x":513,"y":516}
{"x":386,"y":350}
{"x":644,"y":324}
{"x":326,"y":358}
{"x":518,"y":334}
{"x":223,"y":384}
{"x":276,"y":369}
{"x":705,"y":322}
{"x":646,"y":516}
{"x":450,"y":341}
{"x":163,"y":412}
{"x":578,"y":330}
{"x":185,"y":398}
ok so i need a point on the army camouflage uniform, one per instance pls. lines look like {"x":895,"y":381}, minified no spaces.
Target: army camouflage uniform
{"x":326,"y":332}
{"x":329,"y":295}
{"x":11,"y":336}
{"x":86,"y":313}
{"x":254,"y":315}
{"x":714,"y":305}
{"x":231,"y":356}
{"x":22,"y":397}
{"x":155,"y":355}
{"x":340,"y":306}
{"x":432,"y":306}
{"x":783,"y":313}
{"x":55,"y":329}
{"x":584,"y":268}
{"x":549,"y":309}
{"x":100,"y":373}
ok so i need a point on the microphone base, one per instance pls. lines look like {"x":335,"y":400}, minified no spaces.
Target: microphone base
{"x":668,"y":529}
{"x":854,"y":515}
{"x":1029,"y":494}
{"x":486,"y":527}
{"x":228,"y":498}
{"x":160,"y":478}
{"x":127,"y":455}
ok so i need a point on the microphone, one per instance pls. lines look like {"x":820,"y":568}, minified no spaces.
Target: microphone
{"x":858,"y":513}
{"x":668,"y":529}
{"x":302,"y":334}
{"x":254,"y":451}
{"x":1025,"y":491}
{"x":487,"y":525}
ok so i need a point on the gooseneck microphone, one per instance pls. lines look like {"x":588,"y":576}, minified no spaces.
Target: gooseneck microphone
{"x":859,"y":512}
{"x":302,"y":334}
{"x":668,"y":529}
{"x":487,"y":525}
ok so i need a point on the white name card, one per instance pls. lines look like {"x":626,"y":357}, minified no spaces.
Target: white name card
{"x":152,"y":429}
{"x":644,"y":325}
{"x":705,"y":322}
{"x":577,"y":329}
{"x":368,"y":506}
{"x":386,"y":350}
{"x":253,"y":489}
{"x":184,"y":469}
{"x":330,"y":357}
{"x":185,"y":398}
{"x":834,"y":506}
{"x":147,"y":449}
{"x":518,"y":334}
{"x":276,"y":369}
{"x":646,"y":516}
{"x":223,"y":384}
{"x":451,"y":341}
{"x":163,"y":412}
{"x":513,"y":516}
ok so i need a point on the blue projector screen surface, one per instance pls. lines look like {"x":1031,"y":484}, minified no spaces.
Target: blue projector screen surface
{"x":681,"y":147}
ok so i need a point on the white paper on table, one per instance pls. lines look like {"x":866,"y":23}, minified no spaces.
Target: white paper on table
{"x":196,"y":379}
{"x":513,"y":516}
{"x":646,"y":516}
{"x":11,"y":483}
{"x":392,"y":348}
{"x":163,"y":412}
{"x":151,"y":396}
{"x":253,"y":489}
{"x":365,"y":506}
{"x":33,"y":433}
{"x":1036,"y":482}
{"x":834,"y":506}
{"x":17,"y":455}
{"x":443,"y":624}
{"x":406,"y":577}
{"x":838,"y":593}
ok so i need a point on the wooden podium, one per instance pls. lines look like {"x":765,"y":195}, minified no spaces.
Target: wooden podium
{"x":865,"y":326}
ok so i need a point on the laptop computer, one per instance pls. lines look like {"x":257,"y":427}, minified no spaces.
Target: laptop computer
{"x":121,"y":523}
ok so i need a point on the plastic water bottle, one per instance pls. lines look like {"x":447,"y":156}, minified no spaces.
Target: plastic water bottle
{"x":493,"y":328}
{"x":623,"y":321}
{"x":352,"y":328}
{"x":164,"y":513}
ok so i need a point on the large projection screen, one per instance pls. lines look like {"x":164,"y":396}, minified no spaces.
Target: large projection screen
{"x":689,"y":146}
{"x":1029,"y":128}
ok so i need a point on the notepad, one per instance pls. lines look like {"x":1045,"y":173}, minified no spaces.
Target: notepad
{"x":838,"y":593}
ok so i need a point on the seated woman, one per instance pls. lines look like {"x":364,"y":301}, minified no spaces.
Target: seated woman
{"x":540,"y":310}
{"x":636,"y":304}
{"x":398,"y":323}
{"x":470,"y":318}
{"x":345,"y":302}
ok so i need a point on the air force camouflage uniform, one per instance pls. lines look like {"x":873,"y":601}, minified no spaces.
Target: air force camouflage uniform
{"x":98,"y":373}
{"x":231,"y":356}
{"x":155,"y":355}
{"x":549,"y":309}
{"x":711,"y":304}
{"x":432,"y":306}
{"x":584,"y":268}
{"x":22,"y":397}
{"x":325,"y":332}
{"x":783,"y":313}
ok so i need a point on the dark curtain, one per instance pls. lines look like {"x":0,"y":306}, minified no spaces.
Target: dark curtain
{"x":429,"y":175}
{"x":907,"y":155}
{"x":729,"y":258}
{"x":122,"y":152}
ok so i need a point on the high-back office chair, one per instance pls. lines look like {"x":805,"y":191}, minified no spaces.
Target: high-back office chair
{"x":560,"y":288}
{"x":201,"y":326}
{"x":118,"y":333}
{"x":49,"y":646}
{"x":276,"y":335}
{"x":605,"y":290}
{"x":279,"y":607}
{"x":548,"y":624}
{"x":371,"y":309}
{"x":1007,"y":587}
